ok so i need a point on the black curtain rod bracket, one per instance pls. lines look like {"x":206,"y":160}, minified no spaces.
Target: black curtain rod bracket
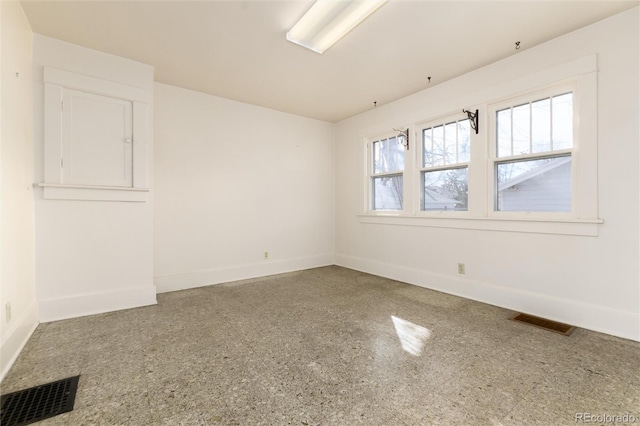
{"x":473,"y":119}
{"x":404,"y":133}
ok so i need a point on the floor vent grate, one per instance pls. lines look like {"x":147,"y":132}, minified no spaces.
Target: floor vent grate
{"x":39,"y":402}
{"x":546,"y":324}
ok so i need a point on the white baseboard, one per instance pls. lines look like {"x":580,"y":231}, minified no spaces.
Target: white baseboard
{"x":592,"y":317}
{"x":17,"y":337}
{"x":222,"y":275}
{"x":96,"y":303}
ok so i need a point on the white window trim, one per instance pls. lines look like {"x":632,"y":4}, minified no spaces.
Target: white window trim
{"x":55,"y":81}
{"x":583,"y":220}
{"x":530,"y":225}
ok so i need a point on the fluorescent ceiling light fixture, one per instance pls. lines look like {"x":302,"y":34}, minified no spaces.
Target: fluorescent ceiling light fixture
{"x":329,"y":20}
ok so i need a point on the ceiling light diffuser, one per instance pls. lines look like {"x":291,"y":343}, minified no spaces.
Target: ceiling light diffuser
{"x":329,"y":20}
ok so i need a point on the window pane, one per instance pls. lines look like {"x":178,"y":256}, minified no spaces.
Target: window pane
{"x":503,"y":127}
{"x":377,"y":166}
{"x":446,"y":145}
{"x":521,"y":123}
{"x":464,"y":141}
{"x":536,"y":185}
{"x":450,"y":143}
{"x":541,"y":125}
{"x":399,"y":151}
{"x":388,"y":155}
{"x":427,"y":141}
{"x":387,"y":193}
{"x":445,"y":189}
{"x":438,"y":146}
{"x":563,"y":121}
{"x":545,"y":125}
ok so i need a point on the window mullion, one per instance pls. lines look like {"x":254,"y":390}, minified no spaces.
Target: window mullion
{"x":541,"y":155}
{"x":530,"y":128}
{"x":551,"y":123}
{"x":457,"y":145}
{"x":511,"y":127}
{"x":408,"y":173}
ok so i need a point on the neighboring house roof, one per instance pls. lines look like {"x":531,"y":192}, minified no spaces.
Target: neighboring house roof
{"x":434,"y":197}
{"x":555,"y":163}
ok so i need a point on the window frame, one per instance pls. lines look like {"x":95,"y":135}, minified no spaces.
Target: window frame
{"x":420,"y":169}
{"x":493,"y":160}
{"x":371,"y":175}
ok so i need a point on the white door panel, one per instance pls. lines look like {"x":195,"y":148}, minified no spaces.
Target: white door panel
{"x":97,"y":143}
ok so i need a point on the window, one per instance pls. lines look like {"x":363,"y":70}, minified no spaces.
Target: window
{"x":444,"y":173}
{"x":387,"y":166}
{"x":533,"y":150}
{"x":530,"y":167}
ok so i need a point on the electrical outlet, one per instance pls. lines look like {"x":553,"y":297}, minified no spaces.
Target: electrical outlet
{"x":266,"y":255}
{"x":7,"y":311}
{"x":461,"y":269}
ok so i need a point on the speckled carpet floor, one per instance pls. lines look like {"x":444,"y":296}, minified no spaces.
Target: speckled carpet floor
{"x":327,"y":346}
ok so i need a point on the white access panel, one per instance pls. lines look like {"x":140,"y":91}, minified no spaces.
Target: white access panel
{"x":97,"y":140}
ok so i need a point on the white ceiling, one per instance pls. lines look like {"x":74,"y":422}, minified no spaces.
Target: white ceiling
{"x":237,"y":49}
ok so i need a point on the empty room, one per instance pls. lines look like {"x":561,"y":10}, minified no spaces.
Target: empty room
{"x":329,"y":212}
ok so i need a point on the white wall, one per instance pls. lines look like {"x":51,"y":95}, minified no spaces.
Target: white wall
{"x":591,"y":282}
{"x":91,"y":256}
{"x":233,"y":181}
{"x":16,"y":175}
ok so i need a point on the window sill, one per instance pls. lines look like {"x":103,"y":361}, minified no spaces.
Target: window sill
{"x":56,"y":191}
{"x":581,"y":227}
